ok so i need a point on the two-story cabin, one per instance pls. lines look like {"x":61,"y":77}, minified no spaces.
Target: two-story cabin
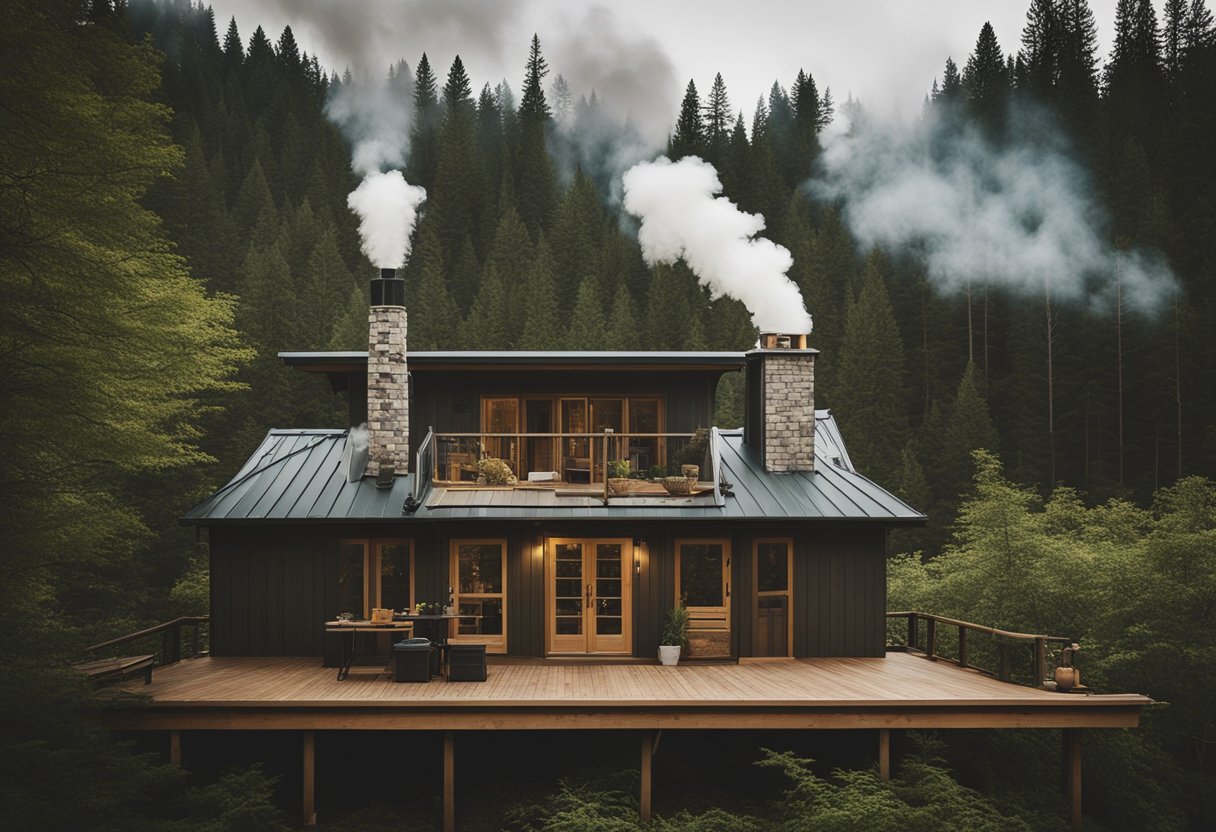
{"x":777,"y":550}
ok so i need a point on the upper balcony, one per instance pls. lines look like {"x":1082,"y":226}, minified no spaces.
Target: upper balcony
{"x":603,"y":465}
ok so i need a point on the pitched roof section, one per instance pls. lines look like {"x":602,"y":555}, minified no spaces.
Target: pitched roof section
{"x":298,"y":476}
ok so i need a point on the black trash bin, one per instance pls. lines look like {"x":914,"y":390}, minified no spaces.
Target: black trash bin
{"x":413,"y":660}
{"x":466,"y":662}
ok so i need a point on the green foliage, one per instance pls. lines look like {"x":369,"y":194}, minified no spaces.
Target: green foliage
{"x":675,"y":627}
{"x":620,"y":468}
{"x":496,"y":471}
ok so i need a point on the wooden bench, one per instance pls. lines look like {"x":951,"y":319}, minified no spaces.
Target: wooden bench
{"x":119,"y":668}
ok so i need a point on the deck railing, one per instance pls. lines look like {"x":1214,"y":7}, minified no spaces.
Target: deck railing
{"x":169,"y":650}
{"x":951,"y":640}
{"x":576,"y":458}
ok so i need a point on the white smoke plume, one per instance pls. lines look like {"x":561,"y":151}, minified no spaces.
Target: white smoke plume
{"x":387,"y":206}
{"x":682,"y":216}
{"x":1019,"y":215}
{"x":376,"y":120}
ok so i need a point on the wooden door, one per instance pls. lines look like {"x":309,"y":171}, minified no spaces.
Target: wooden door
{"x":772,"y":577}
{"x":590,"y":596}
{"x":703,"y":585}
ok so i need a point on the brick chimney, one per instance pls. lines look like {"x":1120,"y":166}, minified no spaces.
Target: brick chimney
{"x":388,"y":400}
{"x":780,"y":419}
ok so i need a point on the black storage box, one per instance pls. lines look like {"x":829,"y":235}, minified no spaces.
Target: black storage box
{"x":466,"y":662}
{"x":413,"y":660}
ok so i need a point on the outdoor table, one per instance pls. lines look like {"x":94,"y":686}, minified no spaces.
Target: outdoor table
{"x":349,"y":646}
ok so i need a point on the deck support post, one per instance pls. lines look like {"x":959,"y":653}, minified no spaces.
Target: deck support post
{"x":175,"y":748}
{"x":1072,"y":774}
{"x":449,"y":782}
{"x":647,"y":762}
{"x":884,"y":754}
{"x":310,"y":779}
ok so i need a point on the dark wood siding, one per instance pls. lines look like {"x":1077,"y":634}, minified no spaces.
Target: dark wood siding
{"x":273,"y":587}
{"x":840,"y":592}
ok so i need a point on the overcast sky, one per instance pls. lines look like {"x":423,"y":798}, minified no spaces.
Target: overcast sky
{"x":643,"y":52}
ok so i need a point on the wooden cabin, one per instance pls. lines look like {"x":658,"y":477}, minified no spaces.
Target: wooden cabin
{"x":777,"y":549}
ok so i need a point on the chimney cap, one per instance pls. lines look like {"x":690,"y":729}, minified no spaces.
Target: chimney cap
{"x":783,"y":341}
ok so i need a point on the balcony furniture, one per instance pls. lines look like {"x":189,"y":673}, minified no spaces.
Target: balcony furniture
{"x":436,"y":628}
{"x":544,"y":476}
{"x":466,"y":663}
{"x":414,"y":660}
{"x":350,"y":648}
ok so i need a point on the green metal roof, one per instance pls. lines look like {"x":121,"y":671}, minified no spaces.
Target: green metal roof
{"x":299,"y":476}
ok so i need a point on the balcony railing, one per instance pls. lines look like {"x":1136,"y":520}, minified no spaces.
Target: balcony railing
{"x":560,"y":458}
{"x":993,"y":658}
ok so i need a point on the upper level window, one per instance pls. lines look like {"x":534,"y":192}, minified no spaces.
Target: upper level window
{"x":541,"y":434}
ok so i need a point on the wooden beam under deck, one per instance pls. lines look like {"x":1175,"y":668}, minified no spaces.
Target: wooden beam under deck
{"x":899,"y":691}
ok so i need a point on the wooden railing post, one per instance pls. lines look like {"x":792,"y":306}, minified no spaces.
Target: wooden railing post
{"x":1003,"y":673}
{"x":171,"y":645}
{"x":1040,"y":661}
{"x":962,"y":646}
{"x":913,"y":630}
{"x":194,"y":640}
{"x":931,"y":638}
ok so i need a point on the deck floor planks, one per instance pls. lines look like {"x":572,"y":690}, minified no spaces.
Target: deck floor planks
{"x":302,"y":682}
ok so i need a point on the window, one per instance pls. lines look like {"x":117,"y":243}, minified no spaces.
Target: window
{"x":479,"y":583}
{"x":375,"y":573}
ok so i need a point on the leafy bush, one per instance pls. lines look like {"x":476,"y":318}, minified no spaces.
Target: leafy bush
{"x":619,"y":468}
{"x":496,"y":471}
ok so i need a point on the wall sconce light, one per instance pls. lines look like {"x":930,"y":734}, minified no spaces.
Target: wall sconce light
{"x":637,"y":566}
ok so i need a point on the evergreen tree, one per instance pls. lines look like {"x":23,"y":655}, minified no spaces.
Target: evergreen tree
{"x":717,"y":123}
{"x":588,"y":328}
{"x":234,"y":50}
{"x":622,"y":327}
{"x":424,"y":135}
{"x":511,"y":257}
{"x":543,"y":327}
{"x":460,"y":196}
{"x":689,"y":138}
{"x":868,"y":397}
{"x":1041,"y":48}
{"x":986,"y":79}
{"x":487,"y":326}
{"x":535,"y":183}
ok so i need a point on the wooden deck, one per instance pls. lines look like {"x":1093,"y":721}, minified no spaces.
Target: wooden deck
{"x":899,"y":691}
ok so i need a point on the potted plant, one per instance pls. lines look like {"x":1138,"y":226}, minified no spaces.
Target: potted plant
{"x":618,"y":476}
{"x":674,"y":635}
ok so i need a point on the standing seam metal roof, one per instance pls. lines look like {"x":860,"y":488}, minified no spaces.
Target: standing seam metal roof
{"x":298,"y":476}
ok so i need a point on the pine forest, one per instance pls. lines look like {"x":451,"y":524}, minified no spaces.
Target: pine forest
{"x":173,"y":214}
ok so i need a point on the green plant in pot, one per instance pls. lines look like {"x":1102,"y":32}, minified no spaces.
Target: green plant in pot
{"x":674,"y":636}
{"x":618,"y":476}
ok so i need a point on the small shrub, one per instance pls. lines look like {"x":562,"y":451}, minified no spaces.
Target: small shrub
{"x":496,"y":471}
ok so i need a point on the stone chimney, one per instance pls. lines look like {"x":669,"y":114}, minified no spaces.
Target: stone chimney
{"x":780,"y":420}
{"x":388,"y":400}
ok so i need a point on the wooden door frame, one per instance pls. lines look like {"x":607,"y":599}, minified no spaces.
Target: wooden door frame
{"x":789,"y":590}
{"x":725,"y":543}
{"x":589,"y":544}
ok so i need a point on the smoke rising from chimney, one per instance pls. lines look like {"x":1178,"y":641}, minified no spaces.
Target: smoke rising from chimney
{"x":377,"y":123}
{"x":682,"y":216}
{"x":1015,"y":215}
{"x":387,"y":206}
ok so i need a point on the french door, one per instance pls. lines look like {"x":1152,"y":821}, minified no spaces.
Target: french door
{"x":590,"y":601}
